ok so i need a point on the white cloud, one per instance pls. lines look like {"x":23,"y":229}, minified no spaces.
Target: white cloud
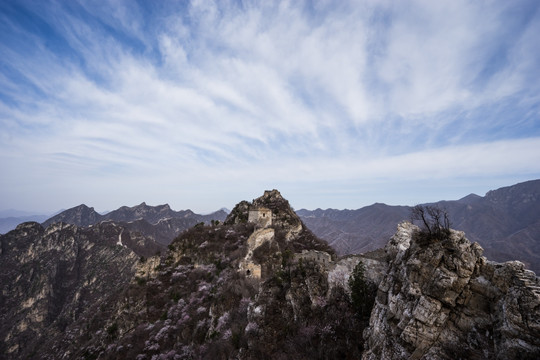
{"x":225,"y":92}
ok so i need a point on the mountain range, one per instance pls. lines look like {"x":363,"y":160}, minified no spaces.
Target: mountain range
{"x":505,"y":222}
{"x":83,"y":215}
{"x":160,"y":223}
{"x":258,"y":285}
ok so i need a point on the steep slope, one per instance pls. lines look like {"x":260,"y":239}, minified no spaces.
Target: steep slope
{"x":505,"y":222}
{"x":199,"y":301}
{"x":51,"y":277}
{"x":444,"y":300}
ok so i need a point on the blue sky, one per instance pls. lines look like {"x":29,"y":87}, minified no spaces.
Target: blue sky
{"x":201,"y":104}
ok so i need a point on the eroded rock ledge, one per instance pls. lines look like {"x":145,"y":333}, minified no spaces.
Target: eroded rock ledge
{"x":444,"y":300}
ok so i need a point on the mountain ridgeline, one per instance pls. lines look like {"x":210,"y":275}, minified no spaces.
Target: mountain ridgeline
{"x":257,"y":285}
{"x":160,"y":223}
{"x":505,"y":222}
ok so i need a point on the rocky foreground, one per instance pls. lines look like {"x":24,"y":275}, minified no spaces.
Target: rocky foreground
{"x":444,"y":300}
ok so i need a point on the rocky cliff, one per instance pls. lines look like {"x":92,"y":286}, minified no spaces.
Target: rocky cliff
{"x":444,"y":300}
{"x":50,"y":277}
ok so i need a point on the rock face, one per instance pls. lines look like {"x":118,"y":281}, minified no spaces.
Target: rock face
{"x":51,"y":277}
{"x":444,"y":300}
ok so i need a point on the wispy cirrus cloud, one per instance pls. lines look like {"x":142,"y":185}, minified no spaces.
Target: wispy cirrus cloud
{"x":215,"y":94}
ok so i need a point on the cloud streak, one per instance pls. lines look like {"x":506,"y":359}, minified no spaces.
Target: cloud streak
{"x":235,"y":95}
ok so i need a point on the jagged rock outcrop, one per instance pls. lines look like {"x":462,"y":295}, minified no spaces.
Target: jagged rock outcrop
{"x":444,"y":300}
{"x":282,"y":213}
{"x":285,"y":222}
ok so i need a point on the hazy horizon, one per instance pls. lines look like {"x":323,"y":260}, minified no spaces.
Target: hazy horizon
{"x":24,"y":213}
{"x":201,"y":104}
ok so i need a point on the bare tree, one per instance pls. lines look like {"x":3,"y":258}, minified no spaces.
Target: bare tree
{"x":435,"y":221}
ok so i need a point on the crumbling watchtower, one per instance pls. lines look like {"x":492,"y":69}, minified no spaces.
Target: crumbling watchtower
{"x":261,"y":216}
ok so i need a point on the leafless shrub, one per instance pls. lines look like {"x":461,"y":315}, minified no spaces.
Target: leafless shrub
{"x":435,"y":224}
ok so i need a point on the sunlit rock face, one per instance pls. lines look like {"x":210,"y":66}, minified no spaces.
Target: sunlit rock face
{"x":444,"y":300}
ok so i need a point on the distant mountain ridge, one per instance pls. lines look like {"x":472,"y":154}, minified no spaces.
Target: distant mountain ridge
{"x":355,"y":231}
{"x":83,"y":215}
{"x":160,"y":222}
{"x":505,"y":222}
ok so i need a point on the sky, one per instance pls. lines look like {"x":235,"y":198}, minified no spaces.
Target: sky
{"x":201,"y":104}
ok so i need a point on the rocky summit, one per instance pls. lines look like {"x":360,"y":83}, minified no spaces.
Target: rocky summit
{"x":260,"y":285}
{"x":444,"y":300}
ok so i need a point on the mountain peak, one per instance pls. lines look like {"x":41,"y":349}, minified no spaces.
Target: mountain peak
{"x":80,"y":215}
{"x":471,"y":198}
{"x":273,"y":200}
{"x":281,"y":212}
{"x":271,"y":210}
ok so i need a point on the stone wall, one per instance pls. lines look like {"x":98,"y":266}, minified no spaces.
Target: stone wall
{"x":256,"y":239}
{"x":321,"y":257}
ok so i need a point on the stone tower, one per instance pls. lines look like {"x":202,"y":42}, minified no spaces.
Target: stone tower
{"x":261,"y":216}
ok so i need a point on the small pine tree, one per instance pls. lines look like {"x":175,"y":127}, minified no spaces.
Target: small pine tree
{"x":362,"y":292}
